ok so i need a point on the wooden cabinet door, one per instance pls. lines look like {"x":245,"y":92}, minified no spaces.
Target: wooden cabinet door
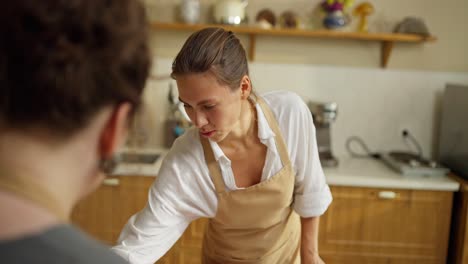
{"x":94,"y":215}
{"x":129,"y":198}
{"x":364,"y":225}
{"x":190,"y":249}
{"x":104,"y":213}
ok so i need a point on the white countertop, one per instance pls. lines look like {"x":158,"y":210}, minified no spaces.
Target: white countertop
{"x":357,"y":172}
{"x":367,"y":172}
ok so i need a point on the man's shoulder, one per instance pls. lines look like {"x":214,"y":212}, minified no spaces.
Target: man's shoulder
{"x":86,"y":249}
{"x":61,"y":244}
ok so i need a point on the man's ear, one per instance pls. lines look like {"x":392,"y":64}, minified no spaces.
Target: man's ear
{"x":245,"y":87}
{"x":115,"y":130}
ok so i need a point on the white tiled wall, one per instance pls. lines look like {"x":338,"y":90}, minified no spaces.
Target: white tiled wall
{"x":374,"y":104}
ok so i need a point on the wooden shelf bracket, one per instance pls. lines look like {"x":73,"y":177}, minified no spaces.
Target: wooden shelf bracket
{"x":387,"y":47}
{"x":252,"y":47}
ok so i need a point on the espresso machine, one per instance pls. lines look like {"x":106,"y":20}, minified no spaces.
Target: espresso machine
{"x":324,"y":115}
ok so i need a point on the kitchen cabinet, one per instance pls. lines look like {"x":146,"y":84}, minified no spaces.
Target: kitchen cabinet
{"x":387,"y":40}
{"x":189,"y":247}
{"x":368,"y":225}
{"x":373,"y":225}
{"x":458,"y":253}
{"x":104,"y":213}
{"x":362,"y":225}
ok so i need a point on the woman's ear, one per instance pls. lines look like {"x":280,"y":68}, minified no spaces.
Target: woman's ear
{"x":115,"y":131}
{"x":245,"y":87}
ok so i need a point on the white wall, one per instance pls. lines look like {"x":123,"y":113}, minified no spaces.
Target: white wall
{"x":446,"y":19}
{"x":373,"y":103}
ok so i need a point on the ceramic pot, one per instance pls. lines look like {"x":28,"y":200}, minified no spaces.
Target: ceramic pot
{"x":230,"y":12}
{"x":335,"y":20}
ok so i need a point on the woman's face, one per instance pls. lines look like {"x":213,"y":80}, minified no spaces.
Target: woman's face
{"x":212,"y":107}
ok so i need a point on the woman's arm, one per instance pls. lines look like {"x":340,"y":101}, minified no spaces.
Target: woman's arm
{"x":181,"y":193}
{"x":309,"y":241}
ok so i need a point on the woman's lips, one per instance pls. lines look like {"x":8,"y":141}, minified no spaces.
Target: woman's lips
{"x":207,"y":134}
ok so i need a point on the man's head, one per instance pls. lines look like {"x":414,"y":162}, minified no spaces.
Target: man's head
{"x":62,"y":61}
{"x":72,"y":70}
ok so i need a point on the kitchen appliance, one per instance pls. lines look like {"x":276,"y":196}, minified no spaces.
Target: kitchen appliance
{"x":407,"y":163}
{"x":411,"y":164}
{"x":324,"y":115}
{"x":231,"y":12}
{"x":453,"y":130}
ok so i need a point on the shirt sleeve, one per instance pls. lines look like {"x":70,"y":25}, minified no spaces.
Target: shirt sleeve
{"x":312,"y":195}
{"x":174,"y":200}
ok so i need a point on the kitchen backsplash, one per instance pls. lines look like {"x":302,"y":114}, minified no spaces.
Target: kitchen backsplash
{"x":374,"y":104}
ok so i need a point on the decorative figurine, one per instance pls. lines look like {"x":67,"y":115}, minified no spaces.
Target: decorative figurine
{"x":266,"y":19}
{"x":362,"y":11}
{"x":289,"y":19}
{"x":413,"y":25}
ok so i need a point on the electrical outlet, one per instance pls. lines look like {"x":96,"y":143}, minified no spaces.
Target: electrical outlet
{"x":404,"y":130}
{"x":408,"y":137}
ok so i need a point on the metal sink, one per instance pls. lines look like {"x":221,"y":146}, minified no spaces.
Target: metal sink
{"x":138,"y":158}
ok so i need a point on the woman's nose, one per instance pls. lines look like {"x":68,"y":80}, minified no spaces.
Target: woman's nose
{"x":200,"y":120}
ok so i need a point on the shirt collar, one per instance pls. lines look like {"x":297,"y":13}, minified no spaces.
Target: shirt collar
{"x":264,"y":134}
{"x":264,"y":130}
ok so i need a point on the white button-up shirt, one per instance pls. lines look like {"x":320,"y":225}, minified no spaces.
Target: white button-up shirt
{"x":183,"y":190}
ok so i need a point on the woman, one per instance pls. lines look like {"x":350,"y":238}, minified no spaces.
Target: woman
{"x":250,"y":164}
{"x":71,"y":74}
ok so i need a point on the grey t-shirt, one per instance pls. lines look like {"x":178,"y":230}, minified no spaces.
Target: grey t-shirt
{"x":63,"y":244}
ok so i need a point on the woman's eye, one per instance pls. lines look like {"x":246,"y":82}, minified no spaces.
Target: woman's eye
{"x":208,"y":107}
{"x":186,"y":106}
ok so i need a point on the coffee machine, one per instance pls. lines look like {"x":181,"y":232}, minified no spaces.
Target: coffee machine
{"x":324,"y":115}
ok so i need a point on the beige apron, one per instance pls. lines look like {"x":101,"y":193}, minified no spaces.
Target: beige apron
{"x":255,"y":224}
{"x":28,"y":189}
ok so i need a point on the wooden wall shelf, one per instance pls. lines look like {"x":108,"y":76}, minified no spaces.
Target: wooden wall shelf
{"x":387,"y":40}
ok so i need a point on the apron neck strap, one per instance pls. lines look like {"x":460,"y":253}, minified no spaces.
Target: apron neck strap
{"x":280,"y":144}
{"x":213,"y":166}
{"x":32,"y":191}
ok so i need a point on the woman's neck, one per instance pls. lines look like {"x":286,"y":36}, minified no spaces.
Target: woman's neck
{"x":246,"y":132}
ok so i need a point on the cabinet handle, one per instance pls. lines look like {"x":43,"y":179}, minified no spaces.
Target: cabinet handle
{"x":111,"y":182}
{"x":387,"y":195}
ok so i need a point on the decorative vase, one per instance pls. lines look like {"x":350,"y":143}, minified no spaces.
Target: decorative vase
{"x":190,"y":11}
{"x":335,"y":20}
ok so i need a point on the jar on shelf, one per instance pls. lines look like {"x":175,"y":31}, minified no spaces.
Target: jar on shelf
{"x":190,"y":11}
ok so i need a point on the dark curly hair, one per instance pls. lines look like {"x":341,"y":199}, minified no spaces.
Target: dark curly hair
{"x":62,"y":61}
